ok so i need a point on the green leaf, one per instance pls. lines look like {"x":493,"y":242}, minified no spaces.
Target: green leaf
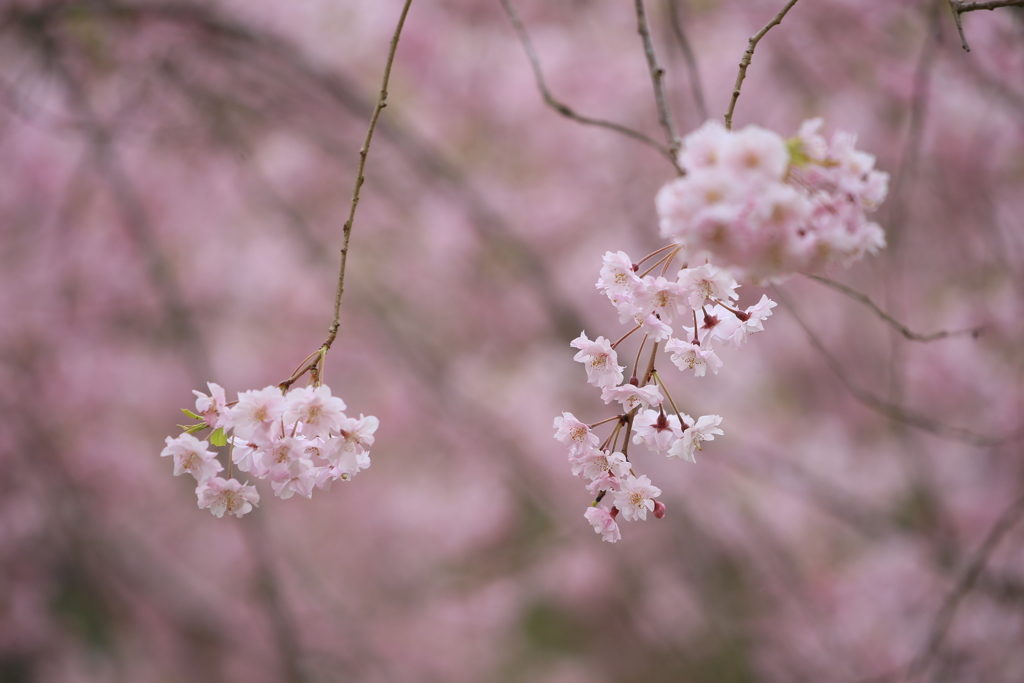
{"x":191,"y":414}
{"x":218,"y":438}
{"x":192,"y":429}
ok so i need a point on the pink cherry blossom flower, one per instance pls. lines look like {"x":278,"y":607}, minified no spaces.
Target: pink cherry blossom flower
{"x":635,"y":497}
{"x":226,"y":495}
{"x":705,"y":430}
{"x":662,"y":297}
{"x":689,"y":356}
{"x":707,"y":282}
{"x":357,"y":435}
{"x":757,"y":154}
{"x":617,"y":275}
{"x":703,"y":148}
{"x":598,"y":463}
{"x":656,"y":430}
{"x":632,"y":396}
{"x":256,"y":412}
{"x":575,"y":434}
{"x":212,"y":407}
{"x":654,"y":327}
{"x":348,"y":460}
{"x":302,"y":479}
{"x":247,"y":456}
{"x":319,"y":412}
{"x":599,"y":359}
{"x":603,"y":523}
{"x":191,"y":455}
{"x":754,"y":322}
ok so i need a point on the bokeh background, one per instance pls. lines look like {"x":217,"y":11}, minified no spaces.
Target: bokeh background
{"x":173,"y":182}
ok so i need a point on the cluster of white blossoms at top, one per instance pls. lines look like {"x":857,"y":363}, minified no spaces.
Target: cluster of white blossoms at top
{"x":760,"y":208}
{"x":657,"y":308}
{"x":765,"y":207}
{"x":299,"y":440}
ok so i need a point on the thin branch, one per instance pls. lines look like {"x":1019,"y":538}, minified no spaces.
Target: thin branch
{"x":974,"y":332}
{"x":892,"y":410}
{"x":657,"y":80}
{"x":560,"y":107}
{"x":959,"y":7}
{"x":382,"y":101}
{"x":990,"y":5}
{"x":748,"y":55}
{"x":944,"y":618}
{"x":689,"y":59}
{"x":954,"y":7}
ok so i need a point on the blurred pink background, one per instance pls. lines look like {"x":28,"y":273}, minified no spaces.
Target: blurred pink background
{"x":173,"y":182}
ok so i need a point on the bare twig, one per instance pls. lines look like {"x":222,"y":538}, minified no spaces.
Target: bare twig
{"x":959,"y":7}
{"x":657,"y":80}
{"x":892,"y":410}
{"x":962,"y":7}
{"x":892,"y":322}
{"x":748,"y":55}
{"x":689,"y":58}
{"x":560,"y":107}
{"x":953,"y":6}
{"x":944,"y":618}
{"x":382,"y":101}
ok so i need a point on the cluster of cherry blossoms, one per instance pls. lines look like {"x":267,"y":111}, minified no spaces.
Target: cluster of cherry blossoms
{"x":653,"y":304}
{"x":766,"y":207}
{"x":762,"y":208}
{"x":299,"y":439}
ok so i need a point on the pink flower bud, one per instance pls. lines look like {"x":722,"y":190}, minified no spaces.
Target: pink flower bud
{"x":659,"y":509}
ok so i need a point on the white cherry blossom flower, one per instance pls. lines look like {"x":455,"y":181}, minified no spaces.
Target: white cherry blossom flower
{"x":226,"y":496}
{"x":630,"y":397}
{"x":599,"y":359}
{"x":635,"y":497}
{"x":656,"y":430}
{"x":575,"y":434}
{"x":603,"y":523}
{"x":191,"y":455}
{"x":256,"y":412}
{"x":690,"y":356}
{"x":705,"y":430}
{"x":319,"y":412}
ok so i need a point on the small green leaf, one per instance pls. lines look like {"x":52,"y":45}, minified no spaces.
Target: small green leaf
{"x":218,"y":438}
{"x":191,"y":414}
{"x":192,"y":429}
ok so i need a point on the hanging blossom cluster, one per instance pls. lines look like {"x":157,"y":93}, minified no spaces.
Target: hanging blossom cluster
{"x":656,"y":307}
{"x":298,"y":439}
{"x":766,"y":207}
{"x":762,"y":208}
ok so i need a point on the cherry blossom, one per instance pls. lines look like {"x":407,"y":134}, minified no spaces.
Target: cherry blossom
{"x":226,"y":496}
{"x":191,"y":455}
{"x":690,"y":356}
{"x":635,"y":497}
{"x":705,"y":429}
{"x":603,"y":522}
{"x":599,"y":359}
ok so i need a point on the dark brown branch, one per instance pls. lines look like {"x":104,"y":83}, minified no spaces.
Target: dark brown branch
{"x":657,"y":80}
{"x":944,"y":618}
{"x":959,"y":7}
{"x":962,"y":7}
{"x":689,"y":59}
{"x":892,"y":322}
{"x":562,"y":108}
{"x":382,"y":101}
{"x":748,"y":55}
